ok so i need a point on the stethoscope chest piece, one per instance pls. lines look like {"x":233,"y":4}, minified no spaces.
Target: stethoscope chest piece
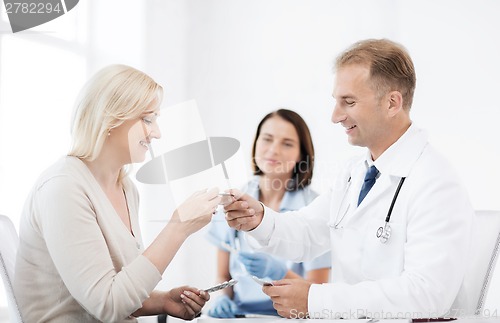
{"x":384,"y":233}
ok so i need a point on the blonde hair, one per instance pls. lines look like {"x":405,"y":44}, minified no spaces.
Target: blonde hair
{"x":113,"y":95}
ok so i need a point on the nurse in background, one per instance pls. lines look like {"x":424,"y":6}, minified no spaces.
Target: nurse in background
{"x":283,"y":167}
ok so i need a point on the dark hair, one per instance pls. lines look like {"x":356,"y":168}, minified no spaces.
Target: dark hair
{"x":303,"y":170}
{"x":391,"y":67}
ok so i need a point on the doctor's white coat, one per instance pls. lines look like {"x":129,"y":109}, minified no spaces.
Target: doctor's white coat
{"x":418,"y":272}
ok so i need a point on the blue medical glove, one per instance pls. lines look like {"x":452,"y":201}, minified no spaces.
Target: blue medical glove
{"x":224,"y":307}
{"x":263,"y":265}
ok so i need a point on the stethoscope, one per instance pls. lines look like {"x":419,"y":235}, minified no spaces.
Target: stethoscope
{"x":384,"y":232}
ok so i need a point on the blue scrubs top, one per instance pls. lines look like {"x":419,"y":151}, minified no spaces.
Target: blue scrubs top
{"x":248,"y":294}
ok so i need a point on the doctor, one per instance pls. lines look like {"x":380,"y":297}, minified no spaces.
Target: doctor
{"x":398,"y":222}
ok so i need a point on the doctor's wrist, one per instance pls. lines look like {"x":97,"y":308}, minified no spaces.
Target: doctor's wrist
{"x":261,"y":211}
{"x":259,"y":215}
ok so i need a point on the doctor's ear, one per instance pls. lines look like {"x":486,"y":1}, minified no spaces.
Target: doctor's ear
{"x":395,"y":103}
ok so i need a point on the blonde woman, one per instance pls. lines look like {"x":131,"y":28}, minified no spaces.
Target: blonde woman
{"x":81,"y":256}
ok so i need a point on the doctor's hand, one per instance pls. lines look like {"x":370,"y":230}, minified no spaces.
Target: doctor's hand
{"x":263,"y":265}
{"x":245,"y":213}
{"x":288,"y":295}
{"x":224,"y":307}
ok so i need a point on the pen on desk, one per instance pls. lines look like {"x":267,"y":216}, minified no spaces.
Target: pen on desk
{"x":442,"y":319}
{"x":257,"y":316}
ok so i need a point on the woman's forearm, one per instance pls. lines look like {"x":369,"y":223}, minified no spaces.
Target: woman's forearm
{"x":154,"y":305}
{"x":163,"y":249}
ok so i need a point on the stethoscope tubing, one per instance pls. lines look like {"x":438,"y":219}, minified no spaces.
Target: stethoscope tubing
{"x":384,"y":232}
{"x":388,"y":217}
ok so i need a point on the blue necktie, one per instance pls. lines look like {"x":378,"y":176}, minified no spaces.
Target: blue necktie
{"x":370,"y":179}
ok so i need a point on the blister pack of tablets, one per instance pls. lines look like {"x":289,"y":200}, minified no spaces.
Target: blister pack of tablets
{"x":221,"y":286}
{"x":262,"y":282}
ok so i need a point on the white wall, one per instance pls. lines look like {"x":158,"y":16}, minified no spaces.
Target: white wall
{"x":241,"y":59}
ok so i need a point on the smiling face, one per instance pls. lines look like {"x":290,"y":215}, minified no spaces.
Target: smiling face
{"x":360,"y":110}
{"x":277,"y":148}
{"x":141,"y":134}
{"x":131,"y":140}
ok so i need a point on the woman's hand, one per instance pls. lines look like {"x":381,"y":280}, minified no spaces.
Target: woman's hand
{"x":185,"y":302}
{"x":190,"y":216}
{"x":196,"y":212}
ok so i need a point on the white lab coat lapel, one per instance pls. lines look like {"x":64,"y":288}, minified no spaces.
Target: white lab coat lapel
{"x":357,"y":238}
{"x":389,"y":176}
{"x":341,"y":207}
{"x":341,"y":199}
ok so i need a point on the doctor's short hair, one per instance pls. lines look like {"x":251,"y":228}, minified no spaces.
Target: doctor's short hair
{"x":391,"y":67}
{"x":115,"y":94}
{"x":303,"y":170}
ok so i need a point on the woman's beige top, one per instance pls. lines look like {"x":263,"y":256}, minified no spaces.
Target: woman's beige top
{"x":77,"y":261}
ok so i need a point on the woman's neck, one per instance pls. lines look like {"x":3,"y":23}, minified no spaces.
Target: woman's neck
{"x":272,"y":191}
{"x":105,"y":173}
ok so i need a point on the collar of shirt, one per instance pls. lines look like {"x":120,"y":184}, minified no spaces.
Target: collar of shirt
{"x":396,"y":161}
{"x":399,"y":158}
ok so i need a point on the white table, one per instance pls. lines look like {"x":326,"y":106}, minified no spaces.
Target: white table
{"x":281,"y":320}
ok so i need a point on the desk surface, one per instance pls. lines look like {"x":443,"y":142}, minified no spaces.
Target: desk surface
{"x":281,"y":320}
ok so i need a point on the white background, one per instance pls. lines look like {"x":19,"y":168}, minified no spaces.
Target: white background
{"x":239,"y":60}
